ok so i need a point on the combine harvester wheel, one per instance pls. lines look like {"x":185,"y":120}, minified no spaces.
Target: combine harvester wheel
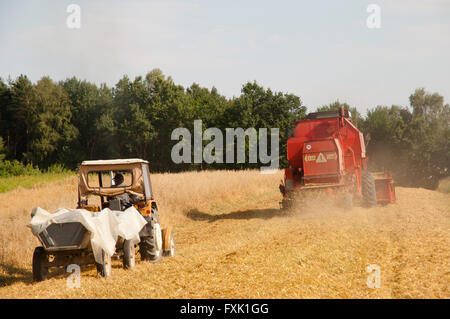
{"x":368,"y":190}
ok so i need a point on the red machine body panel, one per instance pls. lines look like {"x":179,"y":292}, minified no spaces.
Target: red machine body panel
{"x":348,"y":142}
{"x":322,"y":159}
{"x":384,"y":188}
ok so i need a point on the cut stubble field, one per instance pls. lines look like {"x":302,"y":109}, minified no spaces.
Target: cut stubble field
{"x":232,"y":241}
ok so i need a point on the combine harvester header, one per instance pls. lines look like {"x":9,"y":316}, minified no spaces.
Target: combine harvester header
{"x":327,"y":152}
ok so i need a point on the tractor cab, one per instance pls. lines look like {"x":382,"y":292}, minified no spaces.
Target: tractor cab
{"x":116,"y":184}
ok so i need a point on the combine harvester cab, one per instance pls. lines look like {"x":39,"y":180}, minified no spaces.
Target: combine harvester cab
{"x":327,"y":153}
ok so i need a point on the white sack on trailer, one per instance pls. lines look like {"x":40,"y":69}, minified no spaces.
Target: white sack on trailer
{"x":105,"y":226}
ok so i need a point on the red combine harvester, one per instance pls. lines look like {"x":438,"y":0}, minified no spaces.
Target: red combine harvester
{"x":327,"y":152}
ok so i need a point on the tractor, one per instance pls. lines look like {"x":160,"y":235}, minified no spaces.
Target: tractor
{"x":99,"y":187}
{"x":327,"y":154}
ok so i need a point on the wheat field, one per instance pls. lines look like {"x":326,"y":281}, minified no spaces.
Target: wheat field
{"x":232,"y":241}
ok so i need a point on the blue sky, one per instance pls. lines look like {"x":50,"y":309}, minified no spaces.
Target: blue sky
{"x":319,"y":50}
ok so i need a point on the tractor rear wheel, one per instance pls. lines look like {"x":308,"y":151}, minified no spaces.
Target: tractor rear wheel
{"x":151,"y":247}
{"x":40,"y":271}
{"x":368,"y":189}
{"x":129,"y":256}
{"x":104,"y":268}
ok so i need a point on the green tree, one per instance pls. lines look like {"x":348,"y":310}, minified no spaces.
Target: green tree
{"x":167,"y":110}
{"x":414,"y":144}
{"x":136,"y":132}
{"x":387,"y":149}
{"x":2,"y":149}
{"x":4,"y":101}
{"x":87,"y":104}
{"x":428,"y":136}
{"x":73,"y":120}
{"x":51,"y":133}
{"x":336,"y":105}
{"x":261,"y":108}
{"x":21,"y":114}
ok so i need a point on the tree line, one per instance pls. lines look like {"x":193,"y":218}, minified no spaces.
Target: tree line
{"x":66,"y":122}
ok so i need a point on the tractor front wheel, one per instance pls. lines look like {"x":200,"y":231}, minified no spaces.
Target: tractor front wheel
{"x":40,"y":271}
{"x":151,"y":247}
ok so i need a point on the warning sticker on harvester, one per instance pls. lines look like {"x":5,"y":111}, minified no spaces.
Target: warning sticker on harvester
{"x":321,"y":158}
